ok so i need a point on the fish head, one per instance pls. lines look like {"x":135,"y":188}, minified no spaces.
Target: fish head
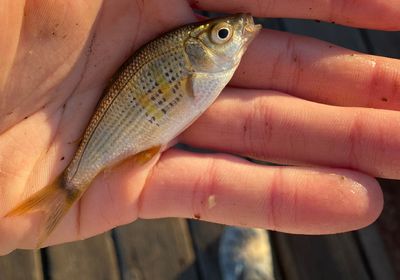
{"x":219,"y":44}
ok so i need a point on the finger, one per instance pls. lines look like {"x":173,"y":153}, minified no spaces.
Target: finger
{"x":228,"y":190}
{"x":375,"y":14}
{"x":272,"y":126}
{"x":217,"y":188}
{"x":319,"y":71}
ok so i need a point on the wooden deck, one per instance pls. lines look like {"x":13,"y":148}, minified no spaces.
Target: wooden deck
{"x":185,"y":249}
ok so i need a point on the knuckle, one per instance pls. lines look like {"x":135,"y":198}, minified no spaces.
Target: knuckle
{"x":368,"y":148}
{"x":257,"y":129}
{"x":281,"y":204}
{"x":383,"y":87}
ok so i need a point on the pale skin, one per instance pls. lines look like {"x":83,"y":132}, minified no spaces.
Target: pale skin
{"x":293,"y":100}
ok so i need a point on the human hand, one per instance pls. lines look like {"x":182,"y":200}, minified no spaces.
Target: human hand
{"x":57,"y":58}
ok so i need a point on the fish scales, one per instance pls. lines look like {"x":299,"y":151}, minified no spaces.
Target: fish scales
{"x":157,"y":93}
{"x":129,"y":104}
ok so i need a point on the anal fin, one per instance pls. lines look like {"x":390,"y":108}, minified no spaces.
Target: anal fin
{"x":146,"y":155}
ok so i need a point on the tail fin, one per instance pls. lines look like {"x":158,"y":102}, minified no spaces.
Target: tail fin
{"x":54,"y":200}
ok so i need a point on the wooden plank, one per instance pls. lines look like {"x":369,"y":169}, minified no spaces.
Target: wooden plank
{"x":383,"y":43}
{"x":94,"y":258}
{"x":320,"y":257}
{"x":270,"y":23}
{"x":389,"y":221}
{"x":375,"y":253}
{"x":206,"y":238}
{"x":21,"y":265}
{"x":336,"y":34}
{"x":155,"y":249}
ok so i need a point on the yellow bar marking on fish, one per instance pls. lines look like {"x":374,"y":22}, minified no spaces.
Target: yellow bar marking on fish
{"x":145,"y":101}
{"x":164,"y":86}
{"x":147,"y":104}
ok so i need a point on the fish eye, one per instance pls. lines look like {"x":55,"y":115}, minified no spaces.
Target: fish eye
{"x":221,"y":33}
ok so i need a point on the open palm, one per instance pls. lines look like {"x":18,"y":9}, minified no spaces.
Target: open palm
{"x":57,"y":58}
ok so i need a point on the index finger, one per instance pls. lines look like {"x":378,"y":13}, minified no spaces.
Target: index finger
{"x":375,"y":14}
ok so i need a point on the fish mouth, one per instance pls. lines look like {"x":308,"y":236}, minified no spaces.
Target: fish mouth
{"x":249,"y":26}
{"x":250,"y":30}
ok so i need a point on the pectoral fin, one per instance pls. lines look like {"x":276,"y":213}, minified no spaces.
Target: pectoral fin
{"x":187,"y":85}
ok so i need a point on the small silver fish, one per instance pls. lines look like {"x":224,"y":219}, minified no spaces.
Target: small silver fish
{"x":157,"y":93}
